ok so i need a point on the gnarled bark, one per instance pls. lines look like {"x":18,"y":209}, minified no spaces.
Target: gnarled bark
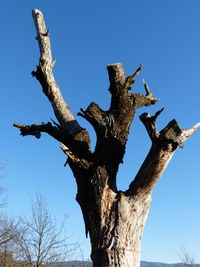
{"x":113,"y":219}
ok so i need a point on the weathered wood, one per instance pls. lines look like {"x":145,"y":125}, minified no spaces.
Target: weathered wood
{"x":119,"y":238}
{"x":44,"y":75}
{"x":113,"y":219}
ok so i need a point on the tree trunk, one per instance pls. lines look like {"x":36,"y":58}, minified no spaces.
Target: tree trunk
{"x":113,"y":219}
{"x":117,"y":240}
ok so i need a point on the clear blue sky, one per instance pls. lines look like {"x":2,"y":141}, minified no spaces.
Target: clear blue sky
{"x":86,"y":36}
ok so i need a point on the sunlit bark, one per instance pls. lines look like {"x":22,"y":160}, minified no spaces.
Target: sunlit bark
{"x":113,"y":219}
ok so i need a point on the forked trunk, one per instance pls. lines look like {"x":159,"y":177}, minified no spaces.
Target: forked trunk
{"x":113,"y":219}
{"x":115,"y":222}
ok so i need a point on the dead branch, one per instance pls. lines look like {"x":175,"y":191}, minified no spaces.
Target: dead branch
{"x":44,"y":75}
{"x":146,"y":87}
{"x":131,"y":79}
{"x":150,"y":123}
{"x":69,"y":153}
{"x":164,"y":144}
{"x":188,"y":132}
{"x":36,"y":129}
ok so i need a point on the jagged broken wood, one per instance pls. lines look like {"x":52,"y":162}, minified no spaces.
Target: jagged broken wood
{"x":113,"y":219}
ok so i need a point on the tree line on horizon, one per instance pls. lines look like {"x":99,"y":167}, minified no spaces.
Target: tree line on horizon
{"x":38,"y":241}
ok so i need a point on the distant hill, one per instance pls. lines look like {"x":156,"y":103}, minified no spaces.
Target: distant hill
{"x":72,"y":264}
{"x":161,"y":264}
{"x":143,"y":264}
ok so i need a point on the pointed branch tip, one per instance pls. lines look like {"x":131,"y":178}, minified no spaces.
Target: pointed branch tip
{"x":53,"y":63}
{"x":137,"y":72}
{"x":67,"y":152}
{"x":158,"y":113}
{"x":188,"y":132}
{"x":82,"y":113}
{"x":146,"y":87}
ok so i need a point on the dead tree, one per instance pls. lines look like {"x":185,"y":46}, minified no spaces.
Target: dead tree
{"x":113,"y":219}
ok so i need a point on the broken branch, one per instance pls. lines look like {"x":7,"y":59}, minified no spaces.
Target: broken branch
{"x":131,"y":79}
{"x":150,"y":124}
{"x":46,"y":78}
{"x":146,"y":87}
{"x":188,"y":132}
{"x":36,"y":129}
{"x":69,"y":153}
{"x":164,"y":144}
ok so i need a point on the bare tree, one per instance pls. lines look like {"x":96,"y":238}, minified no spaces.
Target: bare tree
{"x":113,"y":219}
{"x":8,"y":228}
{"x":39,"y":239}
{"x":5,"y":226}
{"x":2,"y":188}
{"x":186,"y":258}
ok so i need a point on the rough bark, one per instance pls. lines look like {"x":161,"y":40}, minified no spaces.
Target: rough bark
{"x":113,"y":219}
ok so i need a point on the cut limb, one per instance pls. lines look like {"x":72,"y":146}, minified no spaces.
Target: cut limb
{"x":164,"y":144}
{"x":113,"y":219}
